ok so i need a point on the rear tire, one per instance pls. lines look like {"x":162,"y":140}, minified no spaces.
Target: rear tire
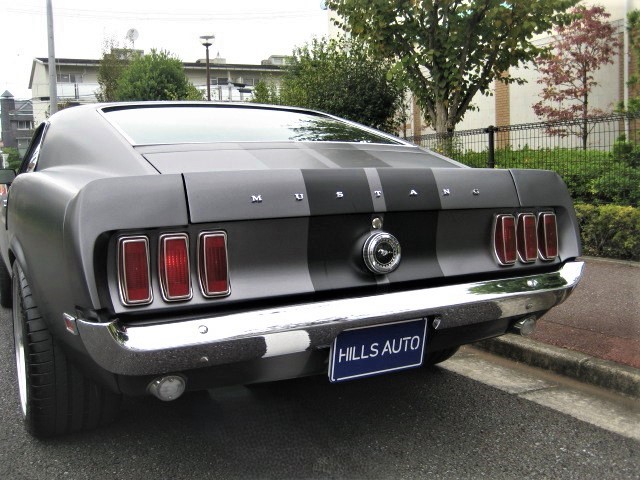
{"x":55,"y":397}
{"x":6,"y":298}
{"x":440,"y":356}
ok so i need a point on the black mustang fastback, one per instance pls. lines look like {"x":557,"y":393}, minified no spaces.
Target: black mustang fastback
{"x":166,"y":247}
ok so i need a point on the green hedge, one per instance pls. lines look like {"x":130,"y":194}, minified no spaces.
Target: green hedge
{"x":592,"y":176}
{"x":610,"y":231}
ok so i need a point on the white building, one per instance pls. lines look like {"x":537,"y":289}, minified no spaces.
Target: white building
{"x":513,"y":104}
{"x":77,"y":80}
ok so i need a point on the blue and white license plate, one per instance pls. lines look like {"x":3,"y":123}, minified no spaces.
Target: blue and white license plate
{"x":369,"y":351}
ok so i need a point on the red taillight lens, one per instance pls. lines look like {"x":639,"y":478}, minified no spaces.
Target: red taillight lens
{"x":133,"y":270}
{"x":214,"y":274}
{"x":527,"y":237}
{"x":504,"y":239}
{"x":547,"y":236}
{"x":175,"y":274}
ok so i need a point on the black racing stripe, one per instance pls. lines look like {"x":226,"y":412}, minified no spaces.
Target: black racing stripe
{"x":416,"y":233}
{"x":335,"y":252}
{"x":337,"y":191}
{"x":409,"y":189}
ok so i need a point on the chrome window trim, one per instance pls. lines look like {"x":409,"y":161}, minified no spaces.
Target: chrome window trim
{"x":202,"y":274}
{"x":121,"y":267}
{"x":162,"y":267}
{"x":32,"y":156}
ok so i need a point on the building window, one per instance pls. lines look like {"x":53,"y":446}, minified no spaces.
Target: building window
{"x":219,"y":81}
{"x":249,"y":82}
{"x":69,"y":78}
{"x":24,"y":124}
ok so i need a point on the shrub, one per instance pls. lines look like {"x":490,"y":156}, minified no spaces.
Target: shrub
{"x":592,"y":176}
{"x":610,"y":231}
{"x":13,"y":161}
{"x":626,"y":152}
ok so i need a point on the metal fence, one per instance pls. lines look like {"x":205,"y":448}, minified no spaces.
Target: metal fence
{"x":598,"y":157}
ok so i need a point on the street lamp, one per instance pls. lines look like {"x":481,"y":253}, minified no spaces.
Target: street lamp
{"x":207,"y":41}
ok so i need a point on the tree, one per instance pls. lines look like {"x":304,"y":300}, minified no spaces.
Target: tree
{"x":341,"y":78}
{"x":449,"y":50}
{"x":633,"y":27}
{"x":13,"y":161}
{"x":113,"y":62}
{"x":580,"y":49}
{"x":265,"y":92}
{"x":155,"y":76}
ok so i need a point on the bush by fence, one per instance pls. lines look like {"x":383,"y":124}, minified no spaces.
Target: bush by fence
{"x":610,"y":231}
{"x":607,"y":172}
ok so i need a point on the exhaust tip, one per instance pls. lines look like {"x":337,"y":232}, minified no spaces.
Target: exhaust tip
{"x":167,"y":388}
{"x":525,"y":326}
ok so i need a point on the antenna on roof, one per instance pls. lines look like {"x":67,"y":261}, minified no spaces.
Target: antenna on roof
{"x":132,"y":36}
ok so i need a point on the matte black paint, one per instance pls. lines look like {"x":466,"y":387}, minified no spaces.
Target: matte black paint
{"x":338,"y":191}
{"x":399,"y":184}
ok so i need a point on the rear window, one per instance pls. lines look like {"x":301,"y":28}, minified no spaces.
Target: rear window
{"x":204,"y":124}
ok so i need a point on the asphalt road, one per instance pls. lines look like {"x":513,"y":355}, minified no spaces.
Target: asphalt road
{"x":437,"y":423}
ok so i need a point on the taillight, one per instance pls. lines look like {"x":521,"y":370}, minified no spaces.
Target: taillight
{"x":212,"y":264}
{"x":547,"y":236}
{"x":504,"y":239}
{"x":133,"y":270}
{"x":527,"y":238}
{"x":173,"y":266}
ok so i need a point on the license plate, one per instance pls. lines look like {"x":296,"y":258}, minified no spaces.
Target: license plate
{"x":369,"y":351}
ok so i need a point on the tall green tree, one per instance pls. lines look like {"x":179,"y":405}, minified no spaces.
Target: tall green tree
{"x":633,"y":27}
{"x":340,"y":77}
{"x":112,"y":63}
{"x":449,"y":50}
{"x":156,"y":76}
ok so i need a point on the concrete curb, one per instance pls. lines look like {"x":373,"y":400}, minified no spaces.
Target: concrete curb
{"x":611,"y":375}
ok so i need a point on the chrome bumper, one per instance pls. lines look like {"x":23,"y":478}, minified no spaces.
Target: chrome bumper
{"x":182,"y":345}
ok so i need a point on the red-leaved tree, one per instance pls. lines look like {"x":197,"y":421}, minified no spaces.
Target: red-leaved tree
{"x":580,"y":49}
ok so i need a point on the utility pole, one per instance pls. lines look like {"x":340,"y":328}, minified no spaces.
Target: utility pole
{"x":53,"y":79}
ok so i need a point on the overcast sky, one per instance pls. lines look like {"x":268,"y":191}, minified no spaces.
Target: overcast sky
{"x":246,"y":31}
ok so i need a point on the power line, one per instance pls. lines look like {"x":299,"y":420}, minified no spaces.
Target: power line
{"x":166,"y":16}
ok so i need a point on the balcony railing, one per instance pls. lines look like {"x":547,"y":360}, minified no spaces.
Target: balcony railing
{"x":78,"y":91}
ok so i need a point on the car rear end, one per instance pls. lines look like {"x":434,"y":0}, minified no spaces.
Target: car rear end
{"x":255,"y":261}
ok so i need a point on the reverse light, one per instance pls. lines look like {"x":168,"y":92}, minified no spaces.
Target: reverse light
{"x":173,"y":267}
{"x":527,"y":238}
{"x":212,"y":264}
{"x":547,"y":236}
{"x":133,"y":270}
{"x":504,"y":239}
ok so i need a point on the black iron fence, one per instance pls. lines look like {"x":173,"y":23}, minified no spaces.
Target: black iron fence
{"x":598,"y":157}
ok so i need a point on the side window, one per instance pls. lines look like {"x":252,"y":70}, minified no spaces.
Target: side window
{"x":30,"y":160}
